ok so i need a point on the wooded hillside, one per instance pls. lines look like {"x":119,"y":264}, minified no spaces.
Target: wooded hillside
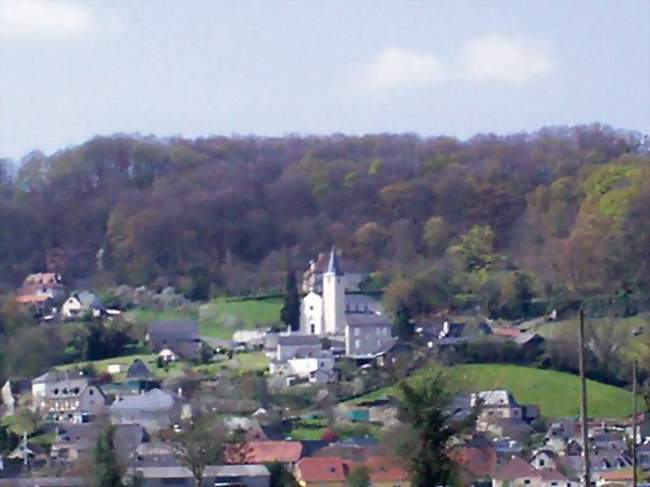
{"x":506,"y":220}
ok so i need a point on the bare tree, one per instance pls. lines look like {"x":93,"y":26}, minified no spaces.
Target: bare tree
{"x":200,"y":443}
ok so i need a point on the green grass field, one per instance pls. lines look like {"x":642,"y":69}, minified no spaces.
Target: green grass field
{"x":240,"y":363}
{"x":556,"y":393}
{"x":221,"y":317}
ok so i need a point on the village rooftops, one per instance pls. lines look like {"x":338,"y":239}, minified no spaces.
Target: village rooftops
{"x":58,"y":376}
{"x":153,"y":400}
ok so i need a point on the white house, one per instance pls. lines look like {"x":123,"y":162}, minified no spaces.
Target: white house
{"x":83,"y":303}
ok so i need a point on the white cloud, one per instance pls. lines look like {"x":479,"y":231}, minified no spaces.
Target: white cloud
{"x":43,"y":19}
{"x":491,"y":59}
{"x":507,"y":60}
{"x":395,"y":67}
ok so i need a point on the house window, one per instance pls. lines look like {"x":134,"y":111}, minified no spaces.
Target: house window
{"x":527,"y":482}
{"x":357,"y":332}
{"x":357,"y":344}
{"x":541,"y":462}
{"x":91,"y":392}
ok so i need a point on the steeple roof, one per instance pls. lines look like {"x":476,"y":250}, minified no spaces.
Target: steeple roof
{"x":334,"y":267}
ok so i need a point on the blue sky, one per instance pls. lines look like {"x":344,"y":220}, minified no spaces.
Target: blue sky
{"x":71,"y":69}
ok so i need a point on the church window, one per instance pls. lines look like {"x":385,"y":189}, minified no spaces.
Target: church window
{"x":313,"y":329}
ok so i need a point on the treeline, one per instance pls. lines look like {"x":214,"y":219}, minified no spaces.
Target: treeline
{"x":500,"y":222}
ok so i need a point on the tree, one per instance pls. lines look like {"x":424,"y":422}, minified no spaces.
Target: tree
{"x":358,"y":477}
{"x":476,"y":248}
{"x":199,"y":444}
{"x":280,"y":476}
{"x":402,"y":324}
{"x":423,"y":445}
{"x":107,"y":470}
{"x":436,"y":235}
{"x":290,"y":313}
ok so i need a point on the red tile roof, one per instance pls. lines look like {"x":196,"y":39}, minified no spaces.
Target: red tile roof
{"x":265,"y":452}
{"x":382,"y":469}
{"x":321,"y":469}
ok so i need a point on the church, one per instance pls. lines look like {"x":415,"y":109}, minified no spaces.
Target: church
{"x":358,"y":318}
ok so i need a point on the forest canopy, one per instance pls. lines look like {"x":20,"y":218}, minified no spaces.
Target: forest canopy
{"x":559,"y":209}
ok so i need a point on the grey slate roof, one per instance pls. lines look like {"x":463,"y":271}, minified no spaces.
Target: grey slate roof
{"x":153,"y":400}
{"x":210,"y":471}
{"x":366,"y":319}
{"x":138,"y":370}
{"x":298,"y":340}
{"x":57,"y":376}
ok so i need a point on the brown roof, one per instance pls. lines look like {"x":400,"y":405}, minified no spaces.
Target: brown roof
{"x":265,"y":452}
{"x":321,"y":469}
{"x":479,"y":462}
{"x":506,"y":331}
{"x":516,"y":468}
{"x":616,"y":475}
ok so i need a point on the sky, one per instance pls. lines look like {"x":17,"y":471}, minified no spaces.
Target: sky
{"x":71,"y":70}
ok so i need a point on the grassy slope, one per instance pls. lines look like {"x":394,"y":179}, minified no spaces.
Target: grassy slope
{"x":250,"y":314}
{"x":556,"y":393}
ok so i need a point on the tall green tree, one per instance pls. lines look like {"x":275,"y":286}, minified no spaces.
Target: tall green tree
{"x":107,"y":470}
{"x":402,"y":324}
{"x":423,"y":444}
{"x":290,"y":313}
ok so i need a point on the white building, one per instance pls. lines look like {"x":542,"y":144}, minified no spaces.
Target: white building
{"x":357,"y":318}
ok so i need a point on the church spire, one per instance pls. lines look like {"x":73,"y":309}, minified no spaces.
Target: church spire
{"x":334,"y":267}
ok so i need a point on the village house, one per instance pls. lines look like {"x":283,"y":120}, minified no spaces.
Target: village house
{"x":320,"y":472}
{"x":72,"y":441}
{"x":367,"y":336}
{"x":41,"y":288}
{"x":67,"y":396}
{"x":318,"y":369}
{"x":174,"y":339}
{"x":518,"y":473}
{"x":290,"y":346}
{"x":82,"y":304}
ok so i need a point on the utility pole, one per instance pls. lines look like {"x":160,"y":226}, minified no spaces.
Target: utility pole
{"x":635,"y":480}
{"x":583,"y":398}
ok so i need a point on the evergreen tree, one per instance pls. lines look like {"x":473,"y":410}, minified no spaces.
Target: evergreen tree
{"x":402,"y":325}
{"x":107,"y":471}
{"x":424,"y":409}
{"x":290,"y":313}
